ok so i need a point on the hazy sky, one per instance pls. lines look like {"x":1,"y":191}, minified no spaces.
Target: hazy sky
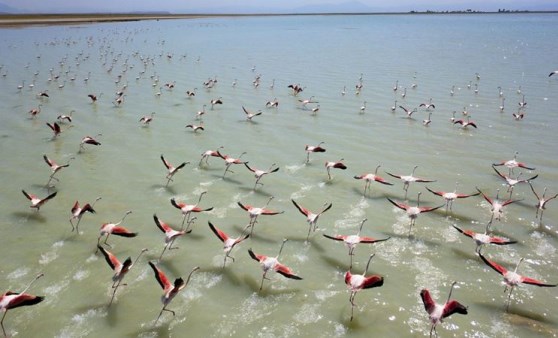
{"x":178,"y":6}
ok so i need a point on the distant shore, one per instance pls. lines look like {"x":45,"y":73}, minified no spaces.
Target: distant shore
{"x":13,"y":20}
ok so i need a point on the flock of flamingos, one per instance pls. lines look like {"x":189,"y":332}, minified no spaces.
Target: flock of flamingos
{"x":511,"y":171}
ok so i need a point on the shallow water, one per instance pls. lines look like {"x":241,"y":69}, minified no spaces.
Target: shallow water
{"x":323,"y":54}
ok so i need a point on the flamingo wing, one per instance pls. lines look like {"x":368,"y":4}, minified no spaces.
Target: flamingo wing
{"x":286,"y":271}
{"x":111,"y":259}
{"x":371,"y":240}
{"x":177,"y":205}
{"x":372,"y":282}
{"x":498,"y":268}
{"x":24,"y":299}
{"x":402,"y":206}
{"x":258,"y":258}
{"x":29,"y":196}
{"x":166,"y":163}
{"x":428,"y":209}
{"x":393,"y":175}
{"x":439,"y":193}
{"x":161,"y":277}
{"x":336,"y":238}
{"x":501,"y":241}
{"x":164,"y":227}
{"x":429,"y":303}
{"x":245,"y":207}
{"x":486,"y":198}
{"x":271,"y":212}
{"x":75,"y":207}
{"x":303,"y":210}
{"x":466,"y":195}
{"x":48,"y":161}
{"x":452,"y":307}
{"x":222,"y":236}
{"x":121,"y":231}
{"x":532,"y":281}
{"x":467,"y":233}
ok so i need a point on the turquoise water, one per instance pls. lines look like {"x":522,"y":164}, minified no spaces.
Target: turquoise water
{"x":323,"y":54}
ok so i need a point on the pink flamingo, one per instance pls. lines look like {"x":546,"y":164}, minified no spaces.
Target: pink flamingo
{"x":188,"y":209}
{"x":171,"y":169}
{"x":115,"y":229}
{"x":511,"y":181}
{"x":311,"y":217}
{"x":120,"y":268}
{"x":513,"y":163}
{"x":334,"y":164}
{"x":230,"y":161}
{"x":11,"y":300}
{"x":464,"y":124}
{"x":228,"y":242}
{"x":170,"y":234}
{"x":408,"y":179}
{"x":541,"y":201}
{"x":481,"y":239}
{"x":88,"y":140}
{"x":258,"y":173}
{"x":169,"y":290}
{"x":55,"y":167}
{"x":146,"y":120}
{"x":254,"y":212}
{"x":313,"y":149}
{"x":355,"y":283}
{"x":272,"y":263}
{"x":437,"y":312}
{"x":77,"y":212}
{"x":369,"y":178}
{"x":37,"y":202}
{"x":512,"y":278}
{"x":497,"y":206}
{"x":451,"y":196}
{"x":412,"y":211}
{"x":209,"y":153}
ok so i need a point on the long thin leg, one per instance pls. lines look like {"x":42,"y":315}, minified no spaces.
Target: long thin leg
{"x":2,"y":323}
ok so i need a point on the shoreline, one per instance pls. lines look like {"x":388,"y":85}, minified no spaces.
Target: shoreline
{"x":17,"y":20}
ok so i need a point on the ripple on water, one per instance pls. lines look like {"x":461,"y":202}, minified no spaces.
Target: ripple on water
{"x":79,"y":327}
{"x":19,"y":272}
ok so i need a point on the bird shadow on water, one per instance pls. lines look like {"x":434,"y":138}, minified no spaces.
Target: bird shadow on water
{"x":256,"y":191}
{"x":152,"y":329}
{"x":519,"y":317}
{"x":267,"y":290}
{"x":167,"y":188}
{"x":30,"y":216}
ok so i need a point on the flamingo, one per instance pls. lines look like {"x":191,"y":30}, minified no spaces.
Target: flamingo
{"x":146,"y":120}
{"x":77,"y":212}
{"x":188,"y":209}
{"x":512,"y":278}
{"x":334,"y":164}
{"x":172,"y":170}
{"x":272,"y":263}
{"x":35,"y":111}
{"x":201,"y":112}
{"x":88,"y":140}
{"x":522,"y":103}
{"x":254,"y":212}
{"x":311,"y":217}
{"x":511,"y":181}
{"x":169,"y":290}
{"x":502,"y":105}
{"x":115,"y":229}
{"x":206,"y":154}
{"x":451,"y":196}
{"x":541,"y":201}
{"x":452,"y":118}
{"x":120,"y":268}
{"x":428,"y":105}
{"x":512,"y":164}
{"x":228,"y":242}
{"x":55,"y":167}
{"x":272,"y":103}
{"x":518,"y":116}
{"x":552,"y":73}
{"x":437,"y":312}
{"x":94,"y":97}
{"x":484,"y":238}
{"x":396,"y":86}
{"x":363,"y":107}
{"x":170,"y":234}
{"x":230,"y":161}
{"x":464,"y":124}
{"x":63,"y":117}
{"x":296,"y":88}
{"x":306,"y":101}
{"x":404,"y":94}
{"x":427,"y":121}
{"x":497,"y":206}
{"x":394,"y":106}
{"x":351,"y":241}
{"x":191,"y":93}
{"x":408,"y":179}
{"x":258,"y":173}
{"x":313,"y":149}
{"x":408,"y":111}
{"x":412,"y":211}
{"x":215,"y":101}
{"x":369,"y":178}
{"x":355,"y":283}
{"x":315,"y":110}
{"x":37,"y":202}
{"x":195,"y":127}
{"x":55,"y":127}
{"x":11,"y":300}
{"x":250,"y":115}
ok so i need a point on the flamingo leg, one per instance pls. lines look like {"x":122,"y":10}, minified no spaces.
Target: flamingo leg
{"x":2,"y":324}
{"x":114,"y":291}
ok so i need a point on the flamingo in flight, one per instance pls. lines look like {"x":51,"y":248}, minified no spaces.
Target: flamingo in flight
{"x":146,"y":120}
{"x":55,"y":127}
{"x":355,"y":283}
{"x":55,"y":167}
{"x":311,"y":217}
{"x":210,"y":153}
{"x":512,"y":278}
{"x":115,"y":229}
{"x":272,"y":103}
{"x":250,"y":115}
{"x":171,"y":169}
{"x":11,"y":300}
{"x":451,"y":196}
{"x":334,"y":164}
{"x":88,"y":140}
{"x":313,"y":149}
{"x":464,"y":124}
{"x":254,"y":212}
{"x":230,"y":161}
{"x":170,"y":234}
{"x":428,"y":105}
{"x":94,"y":97}
{"x":37,"y":202}
{"x":78,"y":211}
{"x":170,"y":290}
{"x":195,"y":127}
{"x":216,"y":101}
{"x":258,"y":173}
{"x":437,"y":312}
{"x":513,"y":163}
{"x":369,"y":178}
{"x":120,"y":268}
{"x":272,"y":263}
{"x":408,"y":179}
{"x":497,"y":206}
{"x":409,"y":112}
{"x":228,"y":242}
{"x":62,"y":117}
{"x":481,"y":239}
{"x":541,"y":202}
{"x":512,"y":182}
{"x":351,"y":241}
{"x":413,"y":211}
{"x":188,"y":209}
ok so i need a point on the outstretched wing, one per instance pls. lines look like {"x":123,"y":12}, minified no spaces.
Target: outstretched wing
{"x":160,"y":276}
{"x":222,"y":236}
{"x":498,"y":268}
{"x":111,"y":259}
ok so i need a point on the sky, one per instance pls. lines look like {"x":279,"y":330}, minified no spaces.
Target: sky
{"x":248,"y":6}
